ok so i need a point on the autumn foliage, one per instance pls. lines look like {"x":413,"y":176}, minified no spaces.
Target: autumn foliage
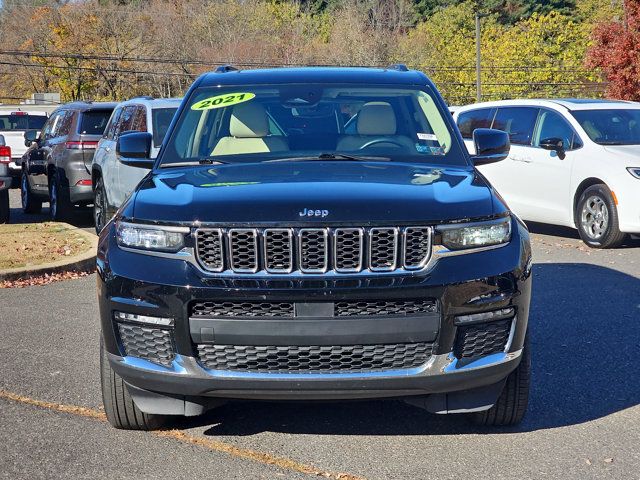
{"x":616,"y":51}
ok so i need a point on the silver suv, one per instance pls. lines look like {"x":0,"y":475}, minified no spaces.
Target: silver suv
{"x":57,"y":164}
{"x":113,"y":181}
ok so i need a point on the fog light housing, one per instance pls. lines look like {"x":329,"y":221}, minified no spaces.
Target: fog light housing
{"x":143,"y":319}
{"x":484,"y":316}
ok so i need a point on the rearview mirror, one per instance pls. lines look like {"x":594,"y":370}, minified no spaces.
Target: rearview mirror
{"x":31,"y":136}
{"x":554,"y":144}
{"x":491,"y":146}
{"x":134,"y":149}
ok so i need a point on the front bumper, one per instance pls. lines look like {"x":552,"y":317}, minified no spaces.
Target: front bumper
{"x":461,"y":285}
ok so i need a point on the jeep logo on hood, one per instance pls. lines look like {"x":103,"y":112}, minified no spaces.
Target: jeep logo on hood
{"x":309,"y":212}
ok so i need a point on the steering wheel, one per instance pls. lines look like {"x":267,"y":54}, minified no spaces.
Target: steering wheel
{"x":381,"y":140}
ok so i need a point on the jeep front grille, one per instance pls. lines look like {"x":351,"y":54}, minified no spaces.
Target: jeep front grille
{"x":346,"y":308}
{"x":313,"y":250}
{"x":314,"y":359}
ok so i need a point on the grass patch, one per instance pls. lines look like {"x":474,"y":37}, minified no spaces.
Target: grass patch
{"x":33,"y":244}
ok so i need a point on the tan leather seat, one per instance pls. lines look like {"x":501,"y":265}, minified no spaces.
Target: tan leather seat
{"x":376,"y":120}
{"x":249,"y":132}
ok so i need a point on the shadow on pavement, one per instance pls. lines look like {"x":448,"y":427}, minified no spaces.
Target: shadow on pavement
{"x":566,"y":232}
{"x":81,"y":218}
{"x":585,"y":332}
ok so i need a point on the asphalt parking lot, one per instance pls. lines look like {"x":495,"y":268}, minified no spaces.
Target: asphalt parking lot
{"x":583,"y":419}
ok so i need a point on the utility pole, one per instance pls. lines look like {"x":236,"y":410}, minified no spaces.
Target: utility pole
{"x":478,"y":67}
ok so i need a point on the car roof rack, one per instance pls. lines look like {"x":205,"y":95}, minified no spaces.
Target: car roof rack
{"x":400,"y":67}
{"x":225,"y":68}
{"x":142,"y":97}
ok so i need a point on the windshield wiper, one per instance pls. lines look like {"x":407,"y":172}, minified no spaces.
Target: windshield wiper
{"x":202,"y":161}
{"x":330,"y":156}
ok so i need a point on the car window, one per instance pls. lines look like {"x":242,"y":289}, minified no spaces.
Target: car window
{"x":552,"y":125}
{"x":472,"y":119}
{"x":51,"y":126}
{"x":611,"y":126}
{"x":93,"y":122}
{"x":64,"y":124}
{"x":404,"y":123}
{"x":139,"y":123}
{"x":518,"y":122}
{"x":22,"y":121}
{"x":126,"y":120}
{"x":110,"y":129}
{"x":161,"y":119}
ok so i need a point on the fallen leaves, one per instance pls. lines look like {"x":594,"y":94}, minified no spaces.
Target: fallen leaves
{"x":43,"y":279}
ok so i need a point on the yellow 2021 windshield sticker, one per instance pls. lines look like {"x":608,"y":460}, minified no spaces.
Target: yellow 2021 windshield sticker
{"x":221,"y":101}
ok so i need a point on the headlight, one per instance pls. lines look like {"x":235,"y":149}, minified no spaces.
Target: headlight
{"x":635,"y":171}
{"x":476,"y":235}
{"x":150,"y":237}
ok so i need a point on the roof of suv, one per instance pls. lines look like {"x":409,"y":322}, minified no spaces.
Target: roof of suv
{"x":392,"y":75}
{"x":568,"y":103}
{"x":153,"y":102}
{"x":85,"y":106}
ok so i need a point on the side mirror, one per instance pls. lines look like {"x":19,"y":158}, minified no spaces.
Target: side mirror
{"x":554,"y":144}
{"x":30,"y":136}
{"x":134,"y":149}
{"x":491,"y":146}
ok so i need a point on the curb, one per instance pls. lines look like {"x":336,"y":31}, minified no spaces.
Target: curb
{"x":85,"y":262}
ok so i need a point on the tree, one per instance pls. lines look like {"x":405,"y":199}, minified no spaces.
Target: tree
{"x":616,"y":51}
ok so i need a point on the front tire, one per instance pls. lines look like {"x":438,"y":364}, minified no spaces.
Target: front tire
{"x":511,"y":406}
{"x":60,"y":207}
{"x":597,"y":218}
{"x":119,"y":407}
{"x":30,"y":204}
{"x":5,"y":211}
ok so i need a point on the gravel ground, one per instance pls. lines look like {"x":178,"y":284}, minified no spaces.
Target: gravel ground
{"x":582,"y":422}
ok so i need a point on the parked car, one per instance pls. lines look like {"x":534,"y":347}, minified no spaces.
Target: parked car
{"x":112,"y":180}
{"x":57,"y":165}
{"x":573,"y":162}
{"x":271,"y":255}
{"x":14,"y":121}
{"x":5,"y":180}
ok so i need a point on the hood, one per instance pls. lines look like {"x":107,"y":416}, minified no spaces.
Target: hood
{"x":628,"y":152}
{"x":312,"y":192}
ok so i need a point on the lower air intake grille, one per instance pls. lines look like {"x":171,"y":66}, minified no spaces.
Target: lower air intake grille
{"x":314,"y":359}
{"x":242,"y":309}
{"x":384,"y":307}
{"x":153,"y":344}
{"x":482,"y":339}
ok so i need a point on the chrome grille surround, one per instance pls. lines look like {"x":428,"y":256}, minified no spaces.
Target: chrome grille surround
{"x":341,"y":250}
{"x":348,"y":249}
{"x":278,"y":250}
{"x":313,"y":250}
{"x":383,"y":249}
{"x":416,"y":247}
{"x":243,"y":248}
{"x":210,"y":242}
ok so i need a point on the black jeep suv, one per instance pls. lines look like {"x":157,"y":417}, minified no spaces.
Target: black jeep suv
{"x":310,"y":234}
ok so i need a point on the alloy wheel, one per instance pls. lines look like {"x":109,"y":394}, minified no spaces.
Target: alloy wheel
{"x":594,"y":217}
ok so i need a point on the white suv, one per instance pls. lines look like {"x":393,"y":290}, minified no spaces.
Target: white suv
{"x":572,"y":162}
{"x":114,"y":181}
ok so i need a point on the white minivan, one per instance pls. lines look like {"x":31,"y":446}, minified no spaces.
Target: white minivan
{"x":113,"y":181}
{"x":573,"y":162}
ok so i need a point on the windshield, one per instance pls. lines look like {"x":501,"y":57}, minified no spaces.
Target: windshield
{"x":22,"y":121}
{"x":611,"y":127}
{"x":268,"y":122}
